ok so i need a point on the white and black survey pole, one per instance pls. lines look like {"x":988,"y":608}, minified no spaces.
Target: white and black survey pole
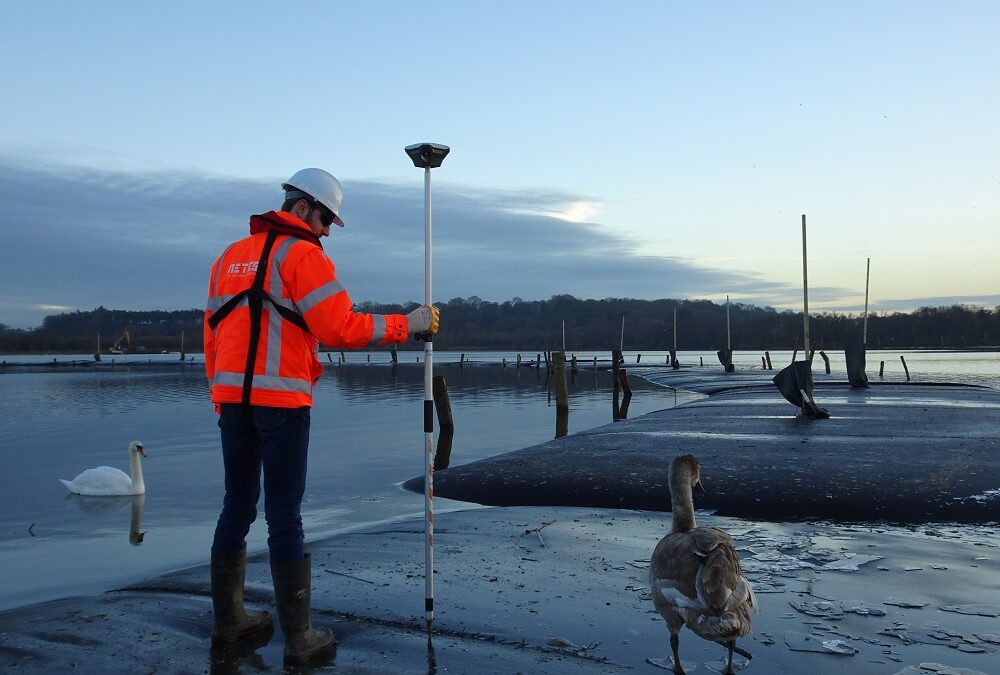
{"x":428,"y":156}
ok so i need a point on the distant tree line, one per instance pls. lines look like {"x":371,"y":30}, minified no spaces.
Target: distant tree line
{"x":530,"y":325}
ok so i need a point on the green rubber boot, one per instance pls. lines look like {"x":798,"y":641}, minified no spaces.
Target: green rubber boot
{"x":232,"y":622}
{"x":293,"y":595}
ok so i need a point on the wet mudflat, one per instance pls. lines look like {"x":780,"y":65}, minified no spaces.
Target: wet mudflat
{"x":904,"y":453}
{"x":560,"y":590}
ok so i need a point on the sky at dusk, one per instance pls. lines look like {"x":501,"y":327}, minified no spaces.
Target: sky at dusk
{"x":633,"y":149}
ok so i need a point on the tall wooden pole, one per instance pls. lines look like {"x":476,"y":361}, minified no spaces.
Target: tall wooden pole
{"x":864,"y":332}
{"x":675,"y":330}
{"x":805,"y":291}
{"x":621,"y":343}
{"x":729,"y":343}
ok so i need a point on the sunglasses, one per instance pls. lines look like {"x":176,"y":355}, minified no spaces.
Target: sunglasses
{"x":326,"y":216}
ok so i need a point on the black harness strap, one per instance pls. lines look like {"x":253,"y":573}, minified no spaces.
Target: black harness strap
{"x":256,"y":296}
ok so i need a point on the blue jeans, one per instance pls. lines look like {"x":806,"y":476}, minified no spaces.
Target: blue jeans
{"x":277,"y":440}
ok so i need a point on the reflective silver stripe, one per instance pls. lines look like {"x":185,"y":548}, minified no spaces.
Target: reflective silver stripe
{"x":278,"y":256}
{"x":318,"y":295}
{"x":272,"y":382}
{"x":379,"y":327}
{"x":272,"y":359}
{"x":218,"y":269}
{"x":215,"y":303}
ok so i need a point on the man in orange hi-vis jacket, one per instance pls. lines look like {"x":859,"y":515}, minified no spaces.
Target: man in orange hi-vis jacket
{"x":272,"y":298}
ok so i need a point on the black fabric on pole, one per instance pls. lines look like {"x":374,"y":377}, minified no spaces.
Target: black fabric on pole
{"x":795,"y":383}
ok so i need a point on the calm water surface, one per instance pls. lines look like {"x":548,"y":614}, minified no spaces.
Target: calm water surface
{"x":367,"y":437}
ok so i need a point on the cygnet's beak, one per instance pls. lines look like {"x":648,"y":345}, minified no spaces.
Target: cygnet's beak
{"x":700,"y":489}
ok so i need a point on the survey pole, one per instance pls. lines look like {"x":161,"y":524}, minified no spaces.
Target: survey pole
{"x":427,"y":156}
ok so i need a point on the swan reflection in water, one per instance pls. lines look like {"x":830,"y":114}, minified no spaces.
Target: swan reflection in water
{"x":103,"y":506}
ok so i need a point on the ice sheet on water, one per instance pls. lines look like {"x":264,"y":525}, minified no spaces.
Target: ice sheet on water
{"x":906,"y":604}
{"x":823,"y":610}
{"x":861,"y":609}
{"x":973,"y":610}
{"x":852,"y":564}
{"x":667,"y":663}
{"x":992,"y":638}
{"x":803,"y":642}
{"x":720,"y":665}
{"x":922,"y":634}
{"x":937,"y":669}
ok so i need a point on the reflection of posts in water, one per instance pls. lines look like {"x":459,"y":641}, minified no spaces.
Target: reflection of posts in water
{"x":442,"y":455}
{"x":135,"y":537}
{"x":627,"y":398}
{"x":562,"y":394}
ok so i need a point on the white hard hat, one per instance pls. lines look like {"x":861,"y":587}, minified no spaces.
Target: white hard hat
{"x":321,"y":186}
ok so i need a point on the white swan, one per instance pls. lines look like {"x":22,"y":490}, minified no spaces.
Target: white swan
{"x":107,"y":481}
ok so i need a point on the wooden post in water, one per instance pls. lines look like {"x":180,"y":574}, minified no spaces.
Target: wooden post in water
{"x":881,"y":368}
{"x":519,"y":362}
{"x":538,"y":361}
{"x":826,"y":360}
{"x":461,"y":362}
{"x":442,"y":455}
{"x":767,"y":355}
{"x":905,"y":368}
{"x":394,"y":356}
{"x":562,"y":394}
{"x":182,"y":346}
{"x":621,"y":342}
{"x":573,"y":365}
{"x":701,"y":361}
{"x":763,"y":363}
{"x":638,"y":357}
{"x":616,"y":358}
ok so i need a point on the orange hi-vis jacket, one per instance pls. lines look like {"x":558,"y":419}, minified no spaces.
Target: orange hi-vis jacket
{"x":302,"y":305}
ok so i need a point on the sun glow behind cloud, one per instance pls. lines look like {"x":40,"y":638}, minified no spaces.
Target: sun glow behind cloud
{"x":579,"y":211}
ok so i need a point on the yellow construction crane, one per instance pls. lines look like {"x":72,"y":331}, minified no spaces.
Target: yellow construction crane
{"x":116,"y":348}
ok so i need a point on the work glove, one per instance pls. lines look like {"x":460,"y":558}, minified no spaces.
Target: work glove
{"x":424,"y":319}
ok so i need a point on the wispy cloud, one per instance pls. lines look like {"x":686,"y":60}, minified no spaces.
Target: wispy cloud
{"x":78,"y":237}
